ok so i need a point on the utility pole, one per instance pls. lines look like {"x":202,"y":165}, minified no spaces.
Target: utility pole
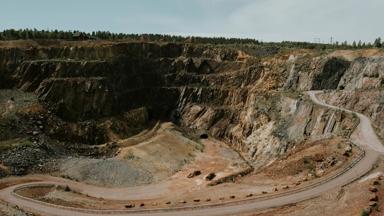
{"x":331,"y":40}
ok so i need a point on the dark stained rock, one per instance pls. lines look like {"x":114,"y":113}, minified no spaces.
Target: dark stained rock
{"x":331,"y":74}
{"x":194,"y":173}
{"x":210,"y":176}
{"x":131,"y":205}
{"x":373,"y":197}
{"x":373,"y":189}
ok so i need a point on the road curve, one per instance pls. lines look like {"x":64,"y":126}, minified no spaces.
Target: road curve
{"x":363,"y":136}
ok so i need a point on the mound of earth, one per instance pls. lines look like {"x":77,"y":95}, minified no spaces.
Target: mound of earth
{"x":163,"y":152}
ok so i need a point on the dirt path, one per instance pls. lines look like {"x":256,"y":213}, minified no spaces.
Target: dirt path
{"x":363,"y":136}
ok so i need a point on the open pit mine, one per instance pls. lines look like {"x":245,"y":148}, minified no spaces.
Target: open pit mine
{"x":155,"y":128}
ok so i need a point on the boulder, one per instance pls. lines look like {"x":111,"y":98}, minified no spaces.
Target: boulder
{"x":373,"y":189}
{"x":373,"y":197}
{"x":348,"y":149}
{"x":319,"y":172}
{"x":372,"y":203}
{"x":131,"y":205}
{"x":194,"y":173}
{"x":210,"y":176}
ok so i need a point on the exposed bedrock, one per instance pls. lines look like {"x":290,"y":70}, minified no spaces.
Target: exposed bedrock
{"x":250,"y":100}
{"x":331,"y":74}
{"x":367,"y":101}
{"x":267,"y":125}
{"x":323,"y":72}
{"x":364,"y":73}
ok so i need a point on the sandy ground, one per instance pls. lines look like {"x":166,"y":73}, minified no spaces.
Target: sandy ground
{"x":345,"y":201}
{"x":216,"y":158}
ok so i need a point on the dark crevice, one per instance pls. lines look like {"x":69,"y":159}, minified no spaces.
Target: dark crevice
{"x":331,"y":74}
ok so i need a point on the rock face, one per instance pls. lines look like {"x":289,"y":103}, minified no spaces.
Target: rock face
{"x":364,"y":73}
{"x":332,"y":72}
{"x":367,"y":101}
{"x":324,"y":72}
{"x":248,"y":98}
{"x":268,"y":125}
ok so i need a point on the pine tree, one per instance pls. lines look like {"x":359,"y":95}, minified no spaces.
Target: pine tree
{"x":377,"y":42}
{"x":359,"y":44}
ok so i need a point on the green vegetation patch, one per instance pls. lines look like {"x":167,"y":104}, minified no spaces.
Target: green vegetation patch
{"x":14,"y":143}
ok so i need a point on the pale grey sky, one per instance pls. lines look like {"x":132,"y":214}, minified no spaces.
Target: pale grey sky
{"x":267,"y":20}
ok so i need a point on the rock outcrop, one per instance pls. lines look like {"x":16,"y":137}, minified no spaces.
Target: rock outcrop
{"x":369,"y":102}
{"x":249,"y":98}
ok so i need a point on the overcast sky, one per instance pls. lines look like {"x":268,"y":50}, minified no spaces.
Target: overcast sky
{"x":267,"y":20}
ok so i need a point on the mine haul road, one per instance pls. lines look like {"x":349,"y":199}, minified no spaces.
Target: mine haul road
{"x":363,"y":136}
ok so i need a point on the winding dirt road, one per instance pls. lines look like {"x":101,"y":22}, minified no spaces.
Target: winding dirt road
{"x":363,"y":136}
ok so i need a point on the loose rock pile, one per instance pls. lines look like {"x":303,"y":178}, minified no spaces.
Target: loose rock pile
{"x":373,"y":197}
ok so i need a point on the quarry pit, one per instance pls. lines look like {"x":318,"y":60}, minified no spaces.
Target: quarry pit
{"x":103,"y":127}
